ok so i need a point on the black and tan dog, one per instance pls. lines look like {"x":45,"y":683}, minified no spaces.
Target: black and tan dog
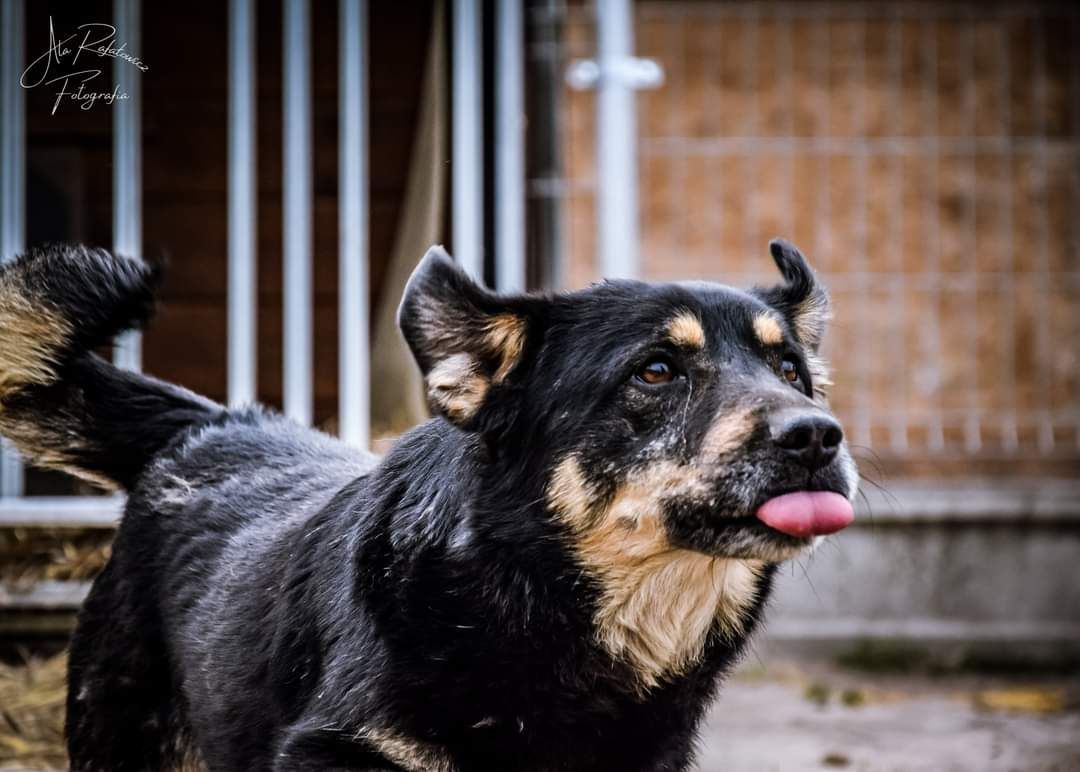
{"x":553,"y":574}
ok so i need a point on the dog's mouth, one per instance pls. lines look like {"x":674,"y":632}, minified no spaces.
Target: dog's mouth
{"x":805,"y":514}
{"x":780,"y":524}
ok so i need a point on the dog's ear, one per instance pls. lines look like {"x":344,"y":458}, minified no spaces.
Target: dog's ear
{"x":467,"y":340}
{"x":802,"y":300}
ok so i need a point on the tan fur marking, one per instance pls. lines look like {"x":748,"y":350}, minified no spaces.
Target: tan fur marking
{"x":728,"y":433}
{"x":506,"y":336}
{"x":29,"y":337}
{"x":456,"y":385}
{"x":810,"y":319}
{"x":685,"y":329}
{"x":768,"y":330}
{"x":410,"y":754}
{"x":659,"y":601}
{"x":819,"y":374}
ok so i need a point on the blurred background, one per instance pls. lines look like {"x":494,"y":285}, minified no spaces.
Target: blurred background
{"x":291,"y":161}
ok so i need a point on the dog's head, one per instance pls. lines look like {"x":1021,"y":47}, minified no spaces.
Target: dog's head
{"x":664,"y":416}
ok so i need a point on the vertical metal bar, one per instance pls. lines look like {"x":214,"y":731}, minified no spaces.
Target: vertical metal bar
{"x":243,"y":281}
{"x":127,"y":163}
{"x":510,"y":147}
{"x":468,"y":138}
{"x":12,"y":181}
{"x":616,"y":146}
{"x":296,"y":211}
{"x":354,"y":398}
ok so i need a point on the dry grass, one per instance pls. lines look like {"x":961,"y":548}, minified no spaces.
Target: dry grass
{"x":33,"y":691}
{"x":29,"y":555}
{"x":32,"y":698}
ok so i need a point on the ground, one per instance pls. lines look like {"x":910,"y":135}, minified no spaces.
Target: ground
{"x":772,"y":715}
{"x":813,"y":716}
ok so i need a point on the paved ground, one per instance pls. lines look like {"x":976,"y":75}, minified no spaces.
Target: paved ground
{"x":813,"y":717}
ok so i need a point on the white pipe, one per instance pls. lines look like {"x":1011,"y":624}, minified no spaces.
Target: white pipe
{"x":243,"y":238}
{"x":12,"y":181}
{"x":468,"y":138}
{"x":127,"y":163}
{"x":354,"y":390}
{"x":510,"y":148}
{"x":616,"y":149}
{"x":296,"y":213}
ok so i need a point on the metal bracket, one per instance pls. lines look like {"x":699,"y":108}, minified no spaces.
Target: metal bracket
{"x":631,"y":71}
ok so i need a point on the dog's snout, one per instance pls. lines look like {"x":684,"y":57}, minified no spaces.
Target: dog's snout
{"x":811,"y":439}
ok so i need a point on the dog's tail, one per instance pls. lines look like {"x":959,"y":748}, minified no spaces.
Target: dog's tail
{"x":60,"y":404}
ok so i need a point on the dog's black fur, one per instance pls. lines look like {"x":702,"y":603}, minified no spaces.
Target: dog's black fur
{"x":277,"y":600}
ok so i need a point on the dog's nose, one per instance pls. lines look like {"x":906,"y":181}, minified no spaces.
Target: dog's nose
{"x":811,"y":439}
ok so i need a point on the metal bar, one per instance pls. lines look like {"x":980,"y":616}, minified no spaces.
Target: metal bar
{"x":45,"y":596}
{"x":243,"y":266}
{"x":296,"y":211}
{"x":468,"y":138}
{"x":61,"y":512}
{"x":616,"y":152}
{"x":12,"y":181}
{"x":510,"y":147}
{"x":127,"y":163}
{"x":354,"y":355}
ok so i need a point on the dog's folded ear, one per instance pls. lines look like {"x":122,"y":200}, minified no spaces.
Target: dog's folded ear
{"x":802,"y":300}
{"x":466,"y":339}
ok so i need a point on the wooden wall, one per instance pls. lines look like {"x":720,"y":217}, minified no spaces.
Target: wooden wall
{"x":925,"y":156}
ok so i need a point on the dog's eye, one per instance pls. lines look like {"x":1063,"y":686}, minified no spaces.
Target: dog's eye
{"x":790,"y":371}
{"x":656,"y":371}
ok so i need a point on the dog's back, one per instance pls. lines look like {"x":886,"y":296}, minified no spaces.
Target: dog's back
{"x":215,"y":496}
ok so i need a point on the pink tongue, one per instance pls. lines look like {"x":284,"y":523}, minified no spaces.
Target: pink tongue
{"x":807,"y":513}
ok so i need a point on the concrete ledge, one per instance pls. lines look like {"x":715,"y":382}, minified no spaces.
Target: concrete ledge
{"x":970,"y":501}
{"x":921,"y":629}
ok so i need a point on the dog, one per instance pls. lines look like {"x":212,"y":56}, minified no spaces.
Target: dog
{"x":553,"y":573}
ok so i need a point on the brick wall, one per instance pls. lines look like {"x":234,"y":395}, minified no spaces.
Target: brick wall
{"x":926,"y":158}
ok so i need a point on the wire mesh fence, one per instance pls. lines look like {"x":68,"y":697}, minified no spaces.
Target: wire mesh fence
{"x":926,"y":156}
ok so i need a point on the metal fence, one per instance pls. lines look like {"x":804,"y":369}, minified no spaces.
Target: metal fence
{"x":353,"y":419}
{"x":926,"y":156}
